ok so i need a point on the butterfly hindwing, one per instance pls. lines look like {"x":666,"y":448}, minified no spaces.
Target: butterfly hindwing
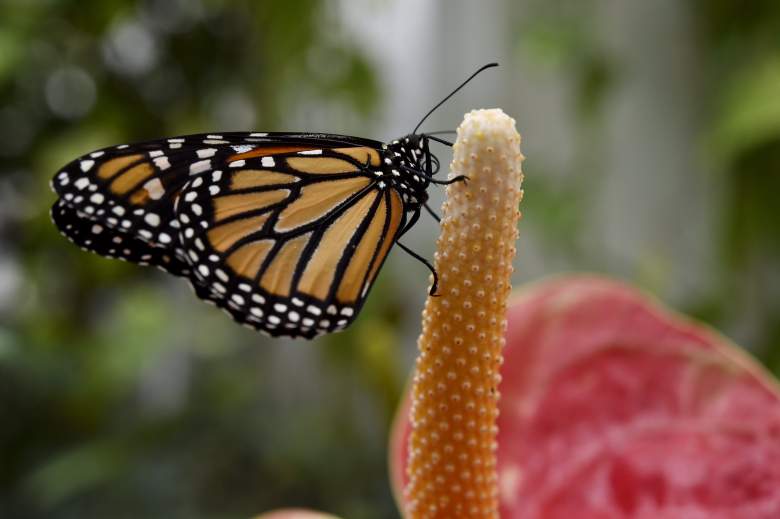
{"x":290,"y":243}
{"x":101,"y":239}
{"x":132,"y":188}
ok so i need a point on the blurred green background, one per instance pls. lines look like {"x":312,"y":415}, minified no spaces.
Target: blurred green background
{"x":652,"y":131}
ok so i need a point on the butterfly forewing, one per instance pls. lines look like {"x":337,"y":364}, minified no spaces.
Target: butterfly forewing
{"x":290,"y":243}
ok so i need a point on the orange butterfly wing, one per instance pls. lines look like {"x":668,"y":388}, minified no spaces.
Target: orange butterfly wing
{"x":291,"y":242}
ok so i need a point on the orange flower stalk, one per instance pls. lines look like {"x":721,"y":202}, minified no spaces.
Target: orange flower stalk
{"x":452,"y":462}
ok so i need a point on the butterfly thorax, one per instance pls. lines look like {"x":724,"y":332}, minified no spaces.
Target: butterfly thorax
{"x":407,"y":166}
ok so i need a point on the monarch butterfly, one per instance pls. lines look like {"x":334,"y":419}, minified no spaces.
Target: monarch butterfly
{"x":285,"y":231}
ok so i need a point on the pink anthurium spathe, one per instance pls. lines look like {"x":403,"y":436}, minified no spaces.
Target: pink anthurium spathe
{"x":295,"y":513}
{"x":612,"y":407}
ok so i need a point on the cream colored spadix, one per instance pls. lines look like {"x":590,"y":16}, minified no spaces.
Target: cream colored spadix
{"x":452,"y":464}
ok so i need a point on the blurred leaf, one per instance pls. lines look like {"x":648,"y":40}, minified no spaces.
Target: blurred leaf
{"x":114,"y":373}
{"x":750,"y":112}
{"x":10,"y":53}
{"x":75,"y":471}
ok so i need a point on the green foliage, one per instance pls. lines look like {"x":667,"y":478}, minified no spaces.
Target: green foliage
{"x":744,"y":144}
{"x":123,"y":396}
{"x":738,"y":61}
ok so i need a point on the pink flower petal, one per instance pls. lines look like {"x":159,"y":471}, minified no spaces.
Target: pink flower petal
{"x":295,"y":513}
{"x":612,"y":407}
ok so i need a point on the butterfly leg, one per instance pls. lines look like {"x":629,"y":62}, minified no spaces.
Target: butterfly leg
{"x":436,"y":165}
{"x":459,"y":178}
{"x":407,"y":226}
{"x":432,"y":212}
{"x":441,"y":141}
{"x":435,"y":285}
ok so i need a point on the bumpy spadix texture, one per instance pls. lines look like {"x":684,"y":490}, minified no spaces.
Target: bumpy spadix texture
{"x":452,"y":463}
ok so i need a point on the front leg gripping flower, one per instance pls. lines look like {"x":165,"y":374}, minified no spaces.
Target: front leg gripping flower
{"x":452,"y":462}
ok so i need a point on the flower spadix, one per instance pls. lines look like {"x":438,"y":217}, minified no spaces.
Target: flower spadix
{"x":452,"y":463}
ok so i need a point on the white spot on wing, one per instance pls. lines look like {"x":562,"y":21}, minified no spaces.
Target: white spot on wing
{"x":152,"y":219}
{"x":206,"y":153}
{"x":200,"y":166}
{"x":155,"y":189}
{"x":268,"y":162}
{"x":162,"y":162}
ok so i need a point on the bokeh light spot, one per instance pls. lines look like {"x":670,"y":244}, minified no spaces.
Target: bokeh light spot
{"x":130,"y":48}
{"x":70,"y":92}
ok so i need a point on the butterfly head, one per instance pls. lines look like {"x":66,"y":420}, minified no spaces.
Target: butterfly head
{"x":414,"y":167}
{"x":419,"y":164}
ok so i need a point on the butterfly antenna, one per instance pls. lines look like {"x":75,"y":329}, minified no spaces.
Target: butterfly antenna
{"x":442,"y":141}
{"x":489,"y":65}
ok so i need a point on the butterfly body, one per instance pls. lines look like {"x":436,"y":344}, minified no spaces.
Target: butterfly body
{"x":285,"y":231}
